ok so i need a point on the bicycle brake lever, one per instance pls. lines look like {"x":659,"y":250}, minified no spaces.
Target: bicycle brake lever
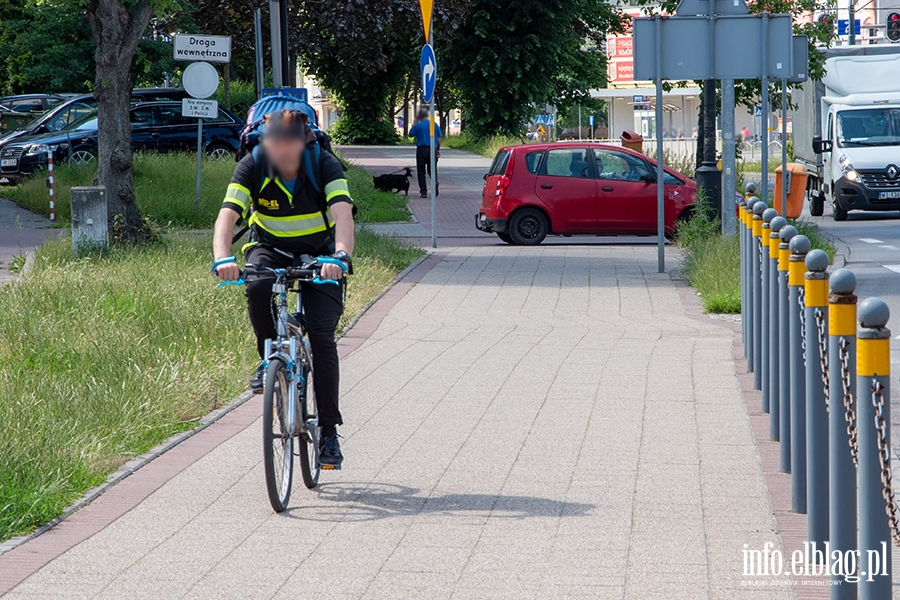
{"x":320,"y":281}
{"x":238,"y":282}
{"x":327,"y":260}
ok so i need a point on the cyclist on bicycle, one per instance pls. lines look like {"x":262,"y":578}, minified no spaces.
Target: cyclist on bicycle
{"x":293,"y":216}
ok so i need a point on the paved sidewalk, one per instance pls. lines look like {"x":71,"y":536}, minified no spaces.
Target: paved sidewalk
{"x":524,"y":423}
{"x":21,"y":231}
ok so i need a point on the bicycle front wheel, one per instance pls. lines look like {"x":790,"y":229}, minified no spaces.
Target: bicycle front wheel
{"x":309,"y":443}
{"x":278,"y":444}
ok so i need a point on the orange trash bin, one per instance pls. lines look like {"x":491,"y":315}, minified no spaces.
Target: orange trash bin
{"x":633,"y":141}
{"x":796,"y":190}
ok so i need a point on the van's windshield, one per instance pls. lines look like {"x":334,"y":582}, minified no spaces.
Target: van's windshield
{"x":868,"y":127}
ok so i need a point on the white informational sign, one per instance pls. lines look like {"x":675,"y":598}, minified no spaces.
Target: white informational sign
{"x":213,"y":48}
{"x":199,"y":109}
{"x":200,"y":80}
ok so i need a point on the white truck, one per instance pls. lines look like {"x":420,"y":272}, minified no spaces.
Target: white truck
{"x":846,"y":131}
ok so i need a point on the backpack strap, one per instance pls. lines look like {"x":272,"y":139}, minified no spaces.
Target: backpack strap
{"x":312,"y":157}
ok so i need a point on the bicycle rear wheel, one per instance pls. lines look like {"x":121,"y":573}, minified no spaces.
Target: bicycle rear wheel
{"x":309,"y":443}
{"x":278,"y":445}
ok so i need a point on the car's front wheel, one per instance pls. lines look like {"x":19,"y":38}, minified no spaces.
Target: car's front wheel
{"x":82,"y":156}
{"x":838,"y":213}
{"x":528,"y":227}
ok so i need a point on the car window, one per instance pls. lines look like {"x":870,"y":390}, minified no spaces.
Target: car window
{"x":567,"y":162}
{"x":68,"y":115}
{"x":222,"y":118}
{"x":533,"y":161}
{"x":498,"y":167}
{"x":171,"y":115}
{"x":27,"y":105}
{"x":620,"y":166}
{"x":142,"y":117}
{"x":53,"y":102}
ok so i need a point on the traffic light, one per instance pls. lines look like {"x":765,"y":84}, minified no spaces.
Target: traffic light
{"x":892,"y":27}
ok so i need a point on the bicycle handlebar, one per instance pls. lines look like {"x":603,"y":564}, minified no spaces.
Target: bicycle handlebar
{"x":308,"y":272}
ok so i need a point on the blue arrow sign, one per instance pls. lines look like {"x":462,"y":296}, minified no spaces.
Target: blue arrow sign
{"x":428,"y":70}
{"x":591,"y":120}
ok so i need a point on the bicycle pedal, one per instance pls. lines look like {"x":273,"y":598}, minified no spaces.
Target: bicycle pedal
{"x":331,"y":467}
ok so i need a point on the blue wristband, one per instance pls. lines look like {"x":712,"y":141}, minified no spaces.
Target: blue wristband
{"x":222,"y":261}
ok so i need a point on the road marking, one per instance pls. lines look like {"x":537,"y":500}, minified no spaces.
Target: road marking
{"x":894,"y":268}
{"x":871,"y":241}
{"x":888,"y":247}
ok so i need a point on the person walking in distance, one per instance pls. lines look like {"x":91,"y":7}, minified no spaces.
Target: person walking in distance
{"x":421,"y":131}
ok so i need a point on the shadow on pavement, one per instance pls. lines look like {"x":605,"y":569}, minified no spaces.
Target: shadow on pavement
{"x":368,"y":502}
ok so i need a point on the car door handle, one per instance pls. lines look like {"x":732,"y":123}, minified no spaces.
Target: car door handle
{"x":547,"y":186}
{"x":607,"y":188}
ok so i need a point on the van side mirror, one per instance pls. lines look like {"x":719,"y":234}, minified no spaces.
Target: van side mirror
{"x":821,"y":146}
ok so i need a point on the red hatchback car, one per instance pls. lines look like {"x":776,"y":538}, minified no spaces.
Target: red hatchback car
{"x":535,"y":190}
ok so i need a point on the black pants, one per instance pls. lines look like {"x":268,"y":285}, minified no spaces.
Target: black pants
{"x":322,"y":306}
{"x":423,"y":167}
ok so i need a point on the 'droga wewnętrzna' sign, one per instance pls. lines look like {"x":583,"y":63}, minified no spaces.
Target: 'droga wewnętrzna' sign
{"x":210,"y":48}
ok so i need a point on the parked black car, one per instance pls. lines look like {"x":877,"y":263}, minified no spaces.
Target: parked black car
{"x":76,"y":107}
{"x":155,"y":127}
{"x":16,"y":111}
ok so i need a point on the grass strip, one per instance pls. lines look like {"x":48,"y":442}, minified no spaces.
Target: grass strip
{"x":165,"y":184}
{"x":104,"y":357}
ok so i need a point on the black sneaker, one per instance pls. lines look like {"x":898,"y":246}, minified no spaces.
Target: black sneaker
{"x":256,"y":384}
{"x":423,"y":195}
{"x":330,"y":452}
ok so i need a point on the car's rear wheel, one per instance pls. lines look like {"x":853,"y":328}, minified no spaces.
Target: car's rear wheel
{"x":82,"y":156}
{"x":219,"y":151}
{"x":528,"y":227}
{"x":505,"y":237}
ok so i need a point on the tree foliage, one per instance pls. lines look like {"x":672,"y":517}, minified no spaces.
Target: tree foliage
{"x":510,"y":57}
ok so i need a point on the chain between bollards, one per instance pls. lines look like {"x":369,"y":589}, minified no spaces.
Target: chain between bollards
{"x":884,"y":458}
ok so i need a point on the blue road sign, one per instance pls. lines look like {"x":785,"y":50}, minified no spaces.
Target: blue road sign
{"x":844,"y":26}
{"x":591,"y":120}
{"x":551,"y":120}
{"x":298,"y":93}
{"x":428,"y":70}
{"x":539,"y":120}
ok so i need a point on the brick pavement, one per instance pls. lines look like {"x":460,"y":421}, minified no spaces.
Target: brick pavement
{"x":523,"y":423}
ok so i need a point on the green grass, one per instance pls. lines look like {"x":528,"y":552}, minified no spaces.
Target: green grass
{"x":103,"y":357}
{"x":712,"y":264}
{"x":486,"y":147}
{"x":165,"y":187}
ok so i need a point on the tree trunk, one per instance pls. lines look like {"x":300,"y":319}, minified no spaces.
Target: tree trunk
{"x":117,"y":30}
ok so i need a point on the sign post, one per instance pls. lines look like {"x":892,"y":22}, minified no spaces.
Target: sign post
{"x":200,"y":80}
{"x":428,"y":70}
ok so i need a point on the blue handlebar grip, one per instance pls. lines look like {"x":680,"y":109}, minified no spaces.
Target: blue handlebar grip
{"x":327,"y":260}
{"x":238,"y":282}
{"x":320,"y":281}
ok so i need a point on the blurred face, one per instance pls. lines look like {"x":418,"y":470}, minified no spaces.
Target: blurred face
{"x":284,"y":152}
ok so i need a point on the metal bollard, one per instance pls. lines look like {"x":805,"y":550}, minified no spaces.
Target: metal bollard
{"x":799,"y":247}
{"x":767,"y":216}
{"x":756,"y":289}
{"x":786,"y":234}
{"x":842,"y":425}
{"x":748,"y":253}
{"x":775,"y":227}
{"x":742,"y":231}
{"x":816,"y":296}
{"x":873,"y":397}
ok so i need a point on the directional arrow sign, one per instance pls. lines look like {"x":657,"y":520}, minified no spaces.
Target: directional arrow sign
{"x":428,"y":70}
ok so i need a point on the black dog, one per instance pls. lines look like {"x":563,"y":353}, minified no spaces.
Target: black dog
{"x":394,"y":181}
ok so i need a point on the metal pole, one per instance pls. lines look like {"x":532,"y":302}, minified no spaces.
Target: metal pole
{"x":784,"y":348}
{"x":764,"y":109}
{"x":756,"y":292}
{"x":580,"y":136}
{"x":748,"y":252}
{"x":799,"y":247}
{"x":784,"y":173}
{"x":728,"y":156}
{"x":816,"y":297}
{"x":199,"y":159}
{"x":260,"y":69}
{"x":765,"y":310}
{"x":285,"y":51}
{"x":851,"y":23}
{"x":874,"y":400}
{"x":433,"y":177}
{"x":275,"y":42}
{"x":50,"y":184}
{"x":774,"y":333}
{"x":660,"y":171}
{"x":841,"y":470}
